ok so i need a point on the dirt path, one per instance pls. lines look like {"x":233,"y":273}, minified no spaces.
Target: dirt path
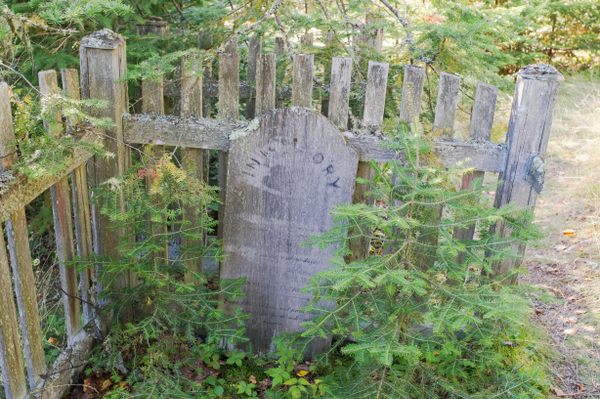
{"x":566,"y":265}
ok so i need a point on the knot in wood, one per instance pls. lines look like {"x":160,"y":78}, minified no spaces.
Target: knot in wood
{"x":535,"y":173}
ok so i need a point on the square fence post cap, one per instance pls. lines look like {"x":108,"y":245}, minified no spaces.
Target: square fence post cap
{"x":540,"y":72}
{"x":102,"y":39}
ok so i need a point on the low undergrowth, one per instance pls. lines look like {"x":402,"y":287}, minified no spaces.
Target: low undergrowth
{"x":423,"y":316}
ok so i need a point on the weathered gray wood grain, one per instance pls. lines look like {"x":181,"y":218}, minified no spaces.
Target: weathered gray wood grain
{"x":482,"y":114}
{"x":412,"y":91}
{"x":527,"y":139}
{"x":82,"y":218}
{"x":12,"y":363}
{"x":302,"y":80}
{"x":214,"y":134}
{"x":66,"y":369}
{"x":265,"y":83}
{"x":375,"y":94}
{"x":103,"y":66}
{"x":17,"y":236}
{"x":20,"y":191}
{"x":63,"y":218}
{"x":374,"y":108}
{"x":339,"y":91}
{"x":169,"y":130}
{"x":445,"y":107}
{"x":229,"y":98}
{"x":11,"y":355}
{"x":482,"y":119}
{"x":284,"y":178}
{"x":193,"y":158}
{"x":254,"y":49}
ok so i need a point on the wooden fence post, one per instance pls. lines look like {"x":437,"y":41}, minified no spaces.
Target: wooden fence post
{"x":20,"y":257}
{"x":103,"y":66}
{"x":81,"y":208}
{"x":61,"y":209}
{"x":527,"y":140}
{"x":11,"y":355}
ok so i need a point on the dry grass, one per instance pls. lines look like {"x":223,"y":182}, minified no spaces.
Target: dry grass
{"x":568,"y":267}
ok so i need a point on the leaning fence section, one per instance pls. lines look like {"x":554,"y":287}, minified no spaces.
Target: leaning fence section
{"x":81,"y":230}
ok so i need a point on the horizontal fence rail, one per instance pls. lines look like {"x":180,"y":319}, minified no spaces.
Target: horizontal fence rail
{"x":213,"y":134}
{"x":82,"y":231}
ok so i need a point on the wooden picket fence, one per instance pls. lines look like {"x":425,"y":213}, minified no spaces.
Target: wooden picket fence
{"x":280,"y":174}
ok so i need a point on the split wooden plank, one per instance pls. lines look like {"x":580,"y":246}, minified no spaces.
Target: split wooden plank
{"x":254,"y":50}
{"x":193,"y":158}
{"x":11,"y":354}
{"x":527,"y":139}
{"x":81,"y":207}
{"x":339,"y":91}
{"x":61,"y":209}
{"x":482,"y":119}
{"x":302,"y":85}
{"x":265,"y":83}
{"x":17,"y":236}
{"x":103,"y":67}
{"x":229,"y":109}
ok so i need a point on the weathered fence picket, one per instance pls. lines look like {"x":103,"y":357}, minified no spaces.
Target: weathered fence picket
{"x":61,"y":209}
{"x":283,"y":172}
{"x":374,"y":108}
{"x":11,"y":357}
{"x":482,"y":119}
{"x":194,"y":159}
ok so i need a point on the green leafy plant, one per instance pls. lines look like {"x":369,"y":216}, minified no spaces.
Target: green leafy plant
{"x":450,"y":328}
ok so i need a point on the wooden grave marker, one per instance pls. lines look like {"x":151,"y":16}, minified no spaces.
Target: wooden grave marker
{"x":283,"y":180}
